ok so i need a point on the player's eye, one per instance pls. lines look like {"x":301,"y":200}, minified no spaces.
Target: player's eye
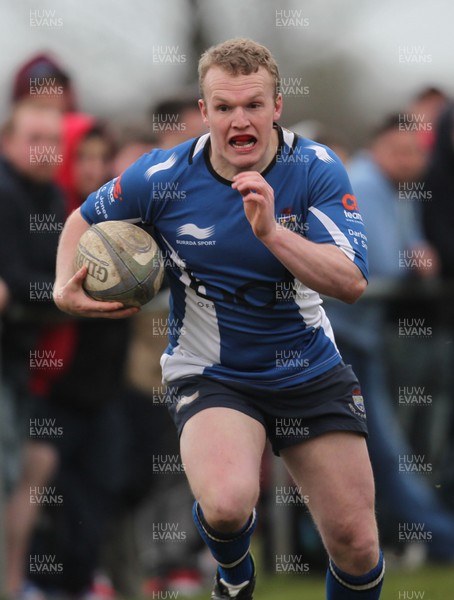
{"x":222,"y":108}
{"x":255,"y":105}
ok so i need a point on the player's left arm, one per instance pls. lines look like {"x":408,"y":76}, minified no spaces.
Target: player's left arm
{"x":327,"y":267}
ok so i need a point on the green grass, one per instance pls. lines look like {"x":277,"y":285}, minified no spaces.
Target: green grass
{"x":429,"y":583}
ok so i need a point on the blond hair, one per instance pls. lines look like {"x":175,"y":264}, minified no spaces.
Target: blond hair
{"x":239,"y":56}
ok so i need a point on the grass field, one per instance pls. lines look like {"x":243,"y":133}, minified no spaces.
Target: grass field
{"x":430,"y":583}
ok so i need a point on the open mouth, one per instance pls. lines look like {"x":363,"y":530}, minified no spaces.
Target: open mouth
{"x":243,"y":142}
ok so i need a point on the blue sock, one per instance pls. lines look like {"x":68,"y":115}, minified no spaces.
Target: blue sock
{"x":341,"y":586}
{"x":231,"y":550}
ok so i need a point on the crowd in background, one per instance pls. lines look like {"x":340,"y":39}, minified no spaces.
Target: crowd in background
{"x":86,"y":441}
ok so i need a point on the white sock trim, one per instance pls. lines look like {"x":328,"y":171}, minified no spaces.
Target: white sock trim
{"x":251,"y":524}
{"x":236,"y":563}
{"x":358,"y":588}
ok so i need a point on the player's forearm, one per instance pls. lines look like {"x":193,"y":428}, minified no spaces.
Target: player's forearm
{"x":74,"y":227}
{"x":322,"y":267}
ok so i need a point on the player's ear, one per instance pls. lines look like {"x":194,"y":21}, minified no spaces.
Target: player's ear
{"x":203,"y":111}
{"x":277,"y":107}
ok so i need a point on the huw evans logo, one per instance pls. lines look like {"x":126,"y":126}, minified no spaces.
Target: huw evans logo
{"x":45,"y":428}
{"x":168,"y":532}
{"x":45,"y":359}
{"x":163,"y":464}
{"x":291,"y":495}
{"x":167,"y":54}
{"x":199,"y":234}
{"x":45,"y":564}
{"x":413,"y":328}
{"x":45,"y":495}
{"x":414,"y":532}
{"x":45,"y":18}
{"x":291,"y":563}
{"x":291,"y":427}
{"x":411,"y":395}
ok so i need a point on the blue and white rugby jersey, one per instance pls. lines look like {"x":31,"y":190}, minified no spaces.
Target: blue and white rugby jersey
{"x":236,"y":312}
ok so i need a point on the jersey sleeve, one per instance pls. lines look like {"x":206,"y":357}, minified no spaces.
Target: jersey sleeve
{"x":126,"y":197}
{"x":333,"y":214}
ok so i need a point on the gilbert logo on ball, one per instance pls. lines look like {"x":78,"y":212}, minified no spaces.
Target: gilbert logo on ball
{"x":124,"y":263}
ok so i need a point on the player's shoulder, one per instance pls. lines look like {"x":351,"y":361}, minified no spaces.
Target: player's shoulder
{"x":318,"y":154}
{"x":170,"y":159}
{"x":305,"y":152}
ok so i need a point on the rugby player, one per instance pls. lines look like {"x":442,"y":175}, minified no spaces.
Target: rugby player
{"x":264,"y":212}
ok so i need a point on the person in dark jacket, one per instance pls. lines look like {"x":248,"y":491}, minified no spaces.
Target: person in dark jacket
{"x":72,"y":463}
{"x":32,"y":212}
{"x":439,"y":226}
{"x":439,"y":180}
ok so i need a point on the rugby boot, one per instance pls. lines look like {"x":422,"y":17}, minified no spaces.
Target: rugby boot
{"x":224,"y":591}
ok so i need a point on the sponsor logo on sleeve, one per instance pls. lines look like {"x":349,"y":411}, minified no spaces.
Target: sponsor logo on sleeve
{"x":351,"y":210}
{"x":115,"y":190}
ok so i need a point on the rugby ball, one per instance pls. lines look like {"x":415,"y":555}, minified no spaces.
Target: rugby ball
{"x":124,"y":263}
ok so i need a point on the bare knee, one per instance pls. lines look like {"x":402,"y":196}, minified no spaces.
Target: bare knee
{"x":228,"y":507}
{"x":353,"y":546}
{"x":39,"y":464}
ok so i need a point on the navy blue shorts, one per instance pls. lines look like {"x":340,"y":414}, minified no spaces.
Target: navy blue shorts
{"x":330,"y":402}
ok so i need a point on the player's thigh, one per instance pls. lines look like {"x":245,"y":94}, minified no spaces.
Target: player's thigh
{"x":221,"y":449}
{"x":334,"y":471}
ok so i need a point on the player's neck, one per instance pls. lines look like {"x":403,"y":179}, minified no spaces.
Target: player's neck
{"x":228,"y":171}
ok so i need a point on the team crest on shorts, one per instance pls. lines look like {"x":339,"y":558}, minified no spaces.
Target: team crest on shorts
{"x":357,"y":407}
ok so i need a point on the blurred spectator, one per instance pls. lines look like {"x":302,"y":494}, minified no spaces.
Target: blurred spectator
{"x":41,"y":79}
{"x":336,"y":142}
{"x":394,"y":162}
{"x":318,"y":132}
{"x":88,"y":152}
{"x":439,"y":226}
{"x":439,"y":180}
{"x":32,"y":212}
{"x":132,"y":143}
{"x":83,"y":400}
{"x":393,"y":226}
{"x":4,"y":296}
{"x":423,"y":113}
{"x":176,"y":120}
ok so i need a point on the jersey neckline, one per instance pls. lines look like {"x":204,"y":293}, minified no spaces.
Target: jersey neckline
{"x":215,"y":174}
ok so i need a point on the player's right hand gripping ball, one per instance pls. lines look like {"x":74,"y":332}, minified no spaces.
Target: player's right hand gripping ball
{"x":124,"y":263}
